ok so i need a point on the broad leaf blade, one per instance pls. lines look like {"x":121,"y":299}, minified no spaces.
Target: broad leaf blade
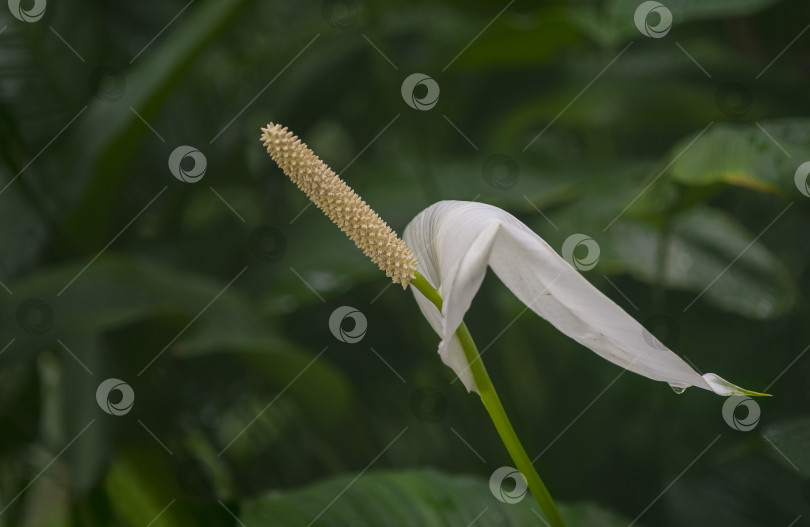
{"x":618,"y":23}
{"x":745,"y":155}
{"x":398,"y":499}
{"x":107,"y":136}
{"x":113,"y":292}
{"x":710,"y":254}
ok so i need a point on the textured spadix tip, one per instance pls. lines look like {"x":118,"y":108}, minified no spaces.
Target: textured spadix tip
{"x":338,"y":201}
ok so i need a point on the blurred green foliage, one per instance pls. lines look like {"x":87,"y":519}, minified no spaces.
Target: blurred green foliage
{"x":678,"y":155}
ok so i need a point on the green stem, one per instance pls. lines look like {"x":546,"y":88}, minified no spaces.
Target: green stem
{"x":493,"y":405}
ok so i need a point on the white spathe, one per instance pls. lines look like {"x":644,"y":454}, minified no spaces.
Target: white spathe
{"x":455,"y":241}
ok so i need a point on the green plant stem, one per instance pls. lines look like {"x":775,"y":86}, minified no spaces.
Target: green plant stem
{"x":493,"y":405}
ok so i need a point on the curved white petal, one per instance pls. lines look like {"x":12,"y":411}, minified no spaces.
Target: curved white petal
{"x":455,"y":241}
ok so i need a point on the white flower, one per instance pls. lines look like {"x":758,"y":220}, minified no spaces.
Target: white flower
{"x":455,"y":241}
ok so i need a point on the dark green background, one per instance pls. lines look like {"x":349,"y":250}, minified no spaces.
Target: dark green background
{"x":694,"y":138}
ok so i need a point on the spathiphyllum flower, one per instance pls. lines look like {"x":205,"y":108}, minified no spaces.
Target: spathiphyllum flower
{"x":455,"y":241}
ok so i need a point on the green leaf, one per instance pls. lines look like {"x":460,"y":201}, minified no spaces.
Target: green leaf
{"x":113,"y":292}
{"x":404,"y":498}
{"x":744,"y":155}
{"x":615,"y":22}
{"x":76,"y":397}
{"x":790,"y":443}
{"x":106,"y":137}
{"x":143,"y":491}
{"x":584,"y":514}
{"x":277,"y":362}
{"x":116,"y":292}
{"x":22,"y":230}
{"x":710,"y":254}
{"x":514,"y":42}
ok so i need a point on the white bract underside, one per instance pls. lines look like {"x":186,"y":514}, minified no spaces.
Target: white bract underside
{"x":455,"y":241}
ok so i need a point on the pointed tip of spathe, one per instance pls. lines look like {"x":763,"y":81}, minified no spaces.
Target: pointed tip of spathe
{"x":720,"y":386}
{"x":754,"y":394}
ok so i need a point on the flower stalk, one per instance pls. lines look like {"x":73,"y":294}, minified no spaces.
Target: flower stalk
{"x":496,"y":411}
